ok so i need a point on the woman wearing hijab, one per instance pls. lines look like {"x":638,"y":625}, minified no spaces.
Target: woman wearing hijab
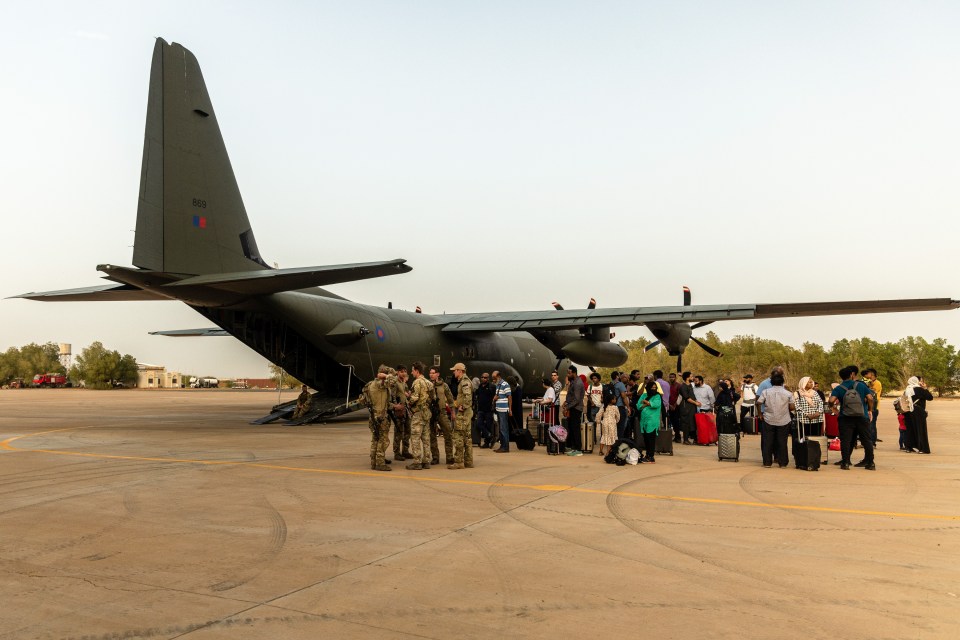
{"x":809,"y":408}
{"x":913,"y":403}
{"x":726,"y":404}
{"x":649,"y":406}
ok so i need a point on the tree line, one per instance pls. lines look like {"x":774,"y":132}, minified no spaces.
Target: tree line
{"x":936,"y":360}
{"x":96,"y":366}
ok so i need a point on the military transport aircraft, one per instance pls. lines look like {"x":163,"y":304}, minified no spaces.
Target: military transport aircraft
{"x":194,"y":244}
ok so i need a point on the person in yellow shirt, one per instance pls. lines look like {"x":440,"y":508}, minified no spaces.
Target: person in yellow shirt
{"x":870,"y":377}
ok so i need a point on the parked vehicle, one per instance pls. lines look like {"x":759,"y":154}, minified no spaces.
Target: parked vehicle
{"x":57,"y":380}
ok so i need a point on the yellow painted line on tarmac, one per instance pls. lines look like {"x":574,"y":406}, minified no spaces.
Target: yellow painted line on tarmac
{"x":7,"y":445}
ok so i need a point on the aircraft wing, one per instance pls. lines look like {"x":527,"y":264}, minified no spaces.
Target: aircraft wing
{"x":191,"y":333}
{"x":267,"y":281}
{"x":636,"y":316}
{"x":100,"y":293}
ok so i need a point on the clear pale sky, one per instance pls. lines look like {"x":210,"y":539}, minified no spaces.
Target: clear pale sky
{"x":755,"y":151}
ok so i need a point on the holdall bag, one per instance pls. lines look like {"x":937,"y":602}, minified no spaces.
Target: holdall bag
{"x":524,"y":440}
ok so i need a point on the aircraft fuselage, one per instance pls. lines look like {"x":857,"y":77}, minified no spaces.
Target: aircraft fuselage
{"x":321,"y":339}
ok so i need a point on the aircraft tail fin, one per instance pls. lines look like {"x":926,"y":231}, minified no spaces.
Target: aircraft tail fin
{"x":190,"y":219}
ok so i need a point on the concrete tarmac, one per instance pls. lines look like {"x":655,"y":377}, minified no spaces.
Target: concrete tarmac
{"x":164,"y":514}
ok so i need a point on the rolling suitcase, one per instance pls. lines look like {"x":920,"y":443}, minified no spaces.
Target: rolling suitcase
{"x":824,"y":443}
{"x":588,"y":433}
{"x":728,"y":447}
{"x":541,"y":424}
{"x":553,"y":443}
{"x":706,"y":428}
{"x":665,"y":441}
{"x":806,"y":451}
{"x":831,"y":426}
{"x":751,"y":424}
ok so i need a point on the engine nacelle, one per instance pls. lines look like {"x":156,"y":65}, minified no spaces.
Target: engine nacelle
{"x":674,"y":337}
{"x":595,"y":354}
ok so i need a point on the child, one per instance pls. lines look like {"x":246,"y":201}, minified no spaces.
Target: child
{"x":607,"y":418}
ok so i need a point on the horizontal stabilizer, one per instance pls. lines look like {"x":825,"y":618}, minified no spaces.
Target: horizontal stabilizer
{"x":101,"y":293}
{"x":191,"y":333}
{"x":259,"y":283}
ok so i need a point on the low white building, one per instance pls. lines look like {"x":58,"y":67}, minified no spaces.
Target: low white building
{"x":154,"y":376}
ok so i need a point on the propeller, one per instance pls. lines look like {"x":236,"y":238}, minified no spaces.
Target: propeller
{"x":592,"y":304}
{"x":675,"y":336}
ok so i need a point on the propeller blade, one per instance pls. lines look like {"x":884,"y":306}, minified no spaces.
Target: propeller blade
{"x":592,"y":304}
{"x":679,"y":363}
{"x":651,"y":346}
{"x":557,"y":306}
{"x":707,"y":348}
{"x":701,"y":324}
{"x":686,"y":296}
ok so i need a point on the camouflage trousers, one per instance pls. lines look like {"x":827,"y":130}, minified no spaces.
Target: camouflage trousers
{"x":401,"y":435}
{"x":419,"y":436}
{"x":462,"y":440}
{"x":440,"y":418}
{"x":379,"y":441}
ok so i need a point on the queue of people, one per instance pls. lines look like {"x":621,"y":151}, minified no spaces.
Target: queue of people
{"x":631,"y":408}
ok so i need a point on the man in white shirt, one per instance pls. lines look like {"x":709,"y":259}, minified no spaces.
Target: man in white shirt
{"x":704,"y":395}
{"x":595,"y":395}
{"x":748,"y":398}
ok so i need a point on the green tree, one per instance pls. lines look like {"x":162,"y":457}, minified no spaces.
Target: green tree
{"x":29,"y":360}
{"x":100,"y":367}
{"x":936,"y":361}
{"x":286,"y":380}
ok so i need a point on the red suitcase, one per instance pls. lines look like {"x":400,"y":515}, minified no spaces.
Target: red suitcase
{"x":830,"y":426}
{"x":706,"y":428}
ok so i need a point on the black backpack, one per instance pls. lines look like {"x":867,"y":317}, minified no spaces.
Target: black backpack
{"x":609,"y":391}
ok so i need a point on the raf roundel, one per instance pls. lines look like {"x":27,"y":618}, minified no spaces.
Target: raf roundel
{"x":380,"y":333}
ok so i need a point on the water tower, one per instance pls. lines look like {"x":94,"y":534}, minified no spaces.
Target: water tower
{"x":65,"y":354}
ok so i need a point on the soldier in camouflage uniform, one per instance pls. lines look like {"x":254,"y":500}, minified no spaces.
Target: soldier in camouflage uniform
{"x":400,"y":415}
{"x":463,"y":408}
{"x":439,"y":408}
{"x":376,"y":395}
{"x":420,"y":418}
{"x":303,"y":403}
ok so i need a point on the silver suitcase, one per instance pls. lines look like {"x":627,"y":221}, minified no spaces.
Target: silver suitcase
{"x":728,"y":446}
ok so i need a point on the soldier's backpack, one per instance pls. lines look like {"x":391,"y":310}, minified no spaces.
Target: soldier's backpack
{"x":851,"y":405}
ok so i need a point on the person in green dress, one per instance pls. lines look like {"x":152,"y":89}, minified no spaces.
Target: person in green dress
{"x":649,"y":407}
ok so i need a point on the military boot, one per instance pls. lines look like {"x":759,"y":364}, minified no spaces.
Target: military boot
{"x":468,"y":465}
{"x":455,"y":465}
{"x":415,"y":466}
{"x":425,"y":465}
{"x":382,"y":467}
